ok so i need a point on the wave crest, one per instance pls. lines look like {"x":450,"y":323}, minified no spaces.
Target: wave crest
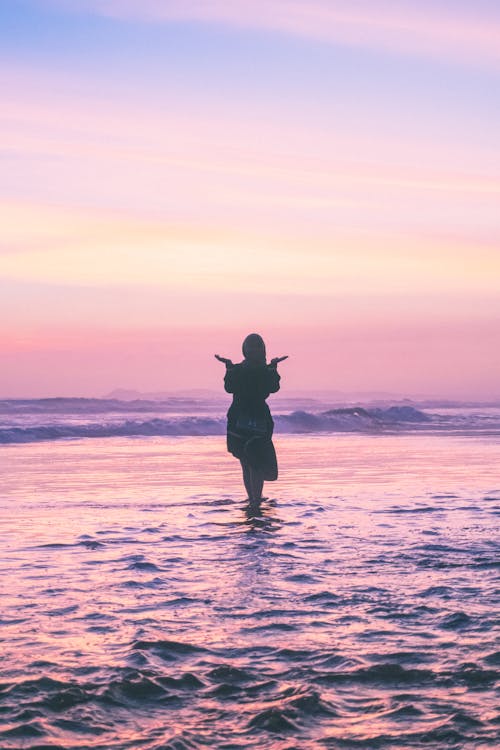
{"x":356,"y":419}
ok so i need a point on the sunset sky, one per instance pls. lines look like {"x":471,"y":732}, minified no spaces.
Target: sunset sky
{"x":178,"y":173}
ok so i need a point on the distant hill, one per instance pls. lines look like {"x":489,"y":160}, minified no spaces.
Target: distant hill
{"x":124,"y":394}
{"x":311,"y":398}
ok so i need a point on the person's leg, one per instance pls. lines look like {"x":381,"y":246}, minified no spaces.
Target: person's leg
{"x":247,"y":478}
{"x":253,"y":480}
{"x":257,"y":482}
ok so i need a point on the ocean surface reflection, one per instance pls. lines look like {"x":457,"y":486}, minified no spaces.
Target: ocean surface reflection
{"x":146,"y":605}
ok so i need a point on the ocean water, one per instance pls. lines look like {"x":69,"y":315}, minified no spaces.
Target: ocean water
{"x":33,"y":420}
{"x":145,"y":605}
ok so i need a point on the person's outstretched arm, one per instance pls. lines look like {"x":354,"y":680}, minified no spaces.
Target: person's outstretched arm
{"x":229,"y":377}
{"x":273,"y":378}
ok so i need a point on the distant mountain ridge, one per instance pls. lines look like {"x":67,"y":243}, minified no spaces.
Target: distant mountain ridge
{"x":130,"y":394}
{"x":335,"y":397}
{"x":125,"y":394}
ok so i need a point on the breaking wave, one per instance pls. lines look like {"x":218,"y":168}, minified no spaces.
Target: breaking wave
{"x":355,"y":419}
{"x":34,"y":420}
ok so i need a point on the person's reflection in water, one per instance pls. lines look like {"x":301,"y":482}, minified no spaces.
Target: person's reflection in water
{"x":259,"y":519}
{"x":249,"y":422}
{"x":258,"y":567}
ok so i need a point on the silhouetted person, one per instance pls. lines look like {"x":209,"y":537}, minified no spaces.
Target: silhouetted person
{"x":249,"y":422}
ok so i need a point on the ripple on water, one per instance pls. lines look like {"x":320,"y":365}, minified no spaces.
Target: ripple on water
{"x":169,"y":650}
{"x":143,"y":565}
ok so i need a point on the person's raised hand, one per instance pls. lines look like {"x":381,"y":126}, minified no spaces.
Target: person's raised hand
{"x":226,"y":361}
{"x":276,"y":360}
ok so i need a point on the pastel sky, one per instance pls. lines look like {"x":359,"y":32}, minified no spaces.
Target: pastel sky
{"x":178,"y":173}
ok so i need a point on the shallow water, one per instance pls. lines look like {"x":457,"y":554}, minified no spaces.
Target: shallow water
{"x":144,"y":605}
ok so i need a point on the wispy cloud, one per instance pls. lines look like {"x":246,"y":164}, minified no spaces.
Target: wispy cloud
{"x":279,"y":174}
{"x":425,"y":29}
{"x":94,"y":249}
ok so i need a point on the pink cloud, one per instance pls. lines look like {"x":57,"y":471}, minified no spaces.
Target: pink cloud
{"x":276,"y":176}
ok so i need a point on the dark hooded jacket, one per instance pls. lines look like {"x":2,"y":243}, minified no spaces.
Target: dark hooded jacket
{"x":250,"y":385}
